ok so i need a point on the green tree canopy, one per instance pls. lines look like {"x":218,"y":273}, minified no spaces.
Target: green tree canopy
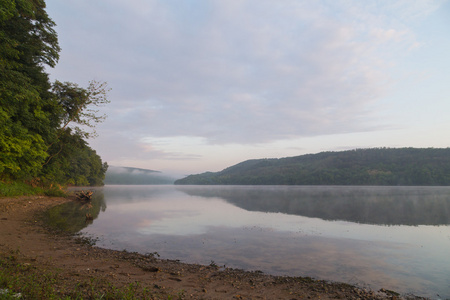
{"x":28,"y":42}
{"x":377,"y":166}
{"x":35,"y":114}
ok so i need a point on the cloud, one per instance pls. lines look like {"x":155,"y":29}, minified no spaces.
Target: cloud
{"x":236,"y":71}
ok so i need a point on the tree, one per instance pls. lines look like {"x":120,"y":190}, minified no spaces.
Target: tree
{"x":71,"y":160}
{"x":75,"y":164}
{"x":21,"y":152}
{"x":28,"y":42}
{"x":38,"y":119}
{"x":77,"y":106}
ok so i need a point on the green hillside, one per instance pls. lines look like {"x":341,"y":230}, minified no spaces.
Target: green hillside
{"x":378,"y":166}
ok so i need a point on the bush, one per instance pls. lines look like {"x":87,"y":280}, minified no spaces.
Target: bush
{"x":55,"y":192}
{"x":12,"y":189}
{"x":17,"y":188}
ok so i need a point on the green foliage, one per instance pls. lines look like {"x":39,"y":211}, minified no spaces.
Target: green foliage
{"x":27,"y":43}
{"x":380,"y":166}
{"x":35,"y":116}
{"x":17,"y":188}
{"x":21,"y":152}
{"x":78,"y":104}
{"x":7,"y":10}
{"x":74,"y":163}
{"x":13,"y":189}
{"x":55,"y":192}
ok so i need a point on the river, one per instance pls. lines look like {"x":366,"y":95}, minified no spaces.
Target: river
{"x":396,"y":238}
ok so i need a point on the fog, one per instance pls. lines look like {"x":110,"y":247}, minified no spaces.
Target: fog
{"x":135,"y":176}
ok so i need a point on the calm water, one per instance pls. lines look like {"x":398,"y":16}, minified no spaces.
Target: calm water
{"x":378,"y":237}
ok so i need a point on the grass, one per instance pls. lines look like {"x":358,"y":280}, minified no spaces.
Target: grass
{"x":55,"y":192}
{"x":13,"y":189}
{"x":16,"y":188}
{"x":19,"y":280}
{"x":22,"y":280}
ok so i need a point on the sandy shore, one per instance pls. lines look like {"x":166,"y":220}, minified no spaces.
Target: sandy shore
{"x":23,"y":235}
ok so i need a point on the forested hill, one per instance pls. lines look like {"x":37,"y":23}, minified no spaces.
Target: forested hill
{"x":379,"y":166}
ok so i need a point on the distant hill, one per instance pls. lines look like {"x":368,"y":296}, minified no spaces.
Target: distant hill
{"x":378,"y":166}
{"x":127,"y":175}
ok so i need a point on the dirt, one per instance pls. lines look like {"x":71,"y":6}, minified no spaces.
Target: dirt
{"x":23,"y":233}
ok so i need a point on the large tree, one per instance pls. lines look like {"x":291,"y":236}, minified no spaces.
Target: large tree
{"x":28,"y":42}
{"x":34,"y":114}
{"x":70,"y":159}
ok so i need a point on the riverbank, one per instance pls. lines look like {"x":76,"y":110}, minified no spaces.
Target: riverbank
{"x":71,"y":266}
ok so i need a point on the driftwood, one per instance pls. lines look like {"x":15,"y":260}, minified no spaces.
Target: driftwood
{"x":84,"y":197}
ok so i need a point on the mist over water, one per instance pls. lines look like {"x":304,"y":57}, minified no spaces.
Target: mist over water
{"x":370,"y":205}
{"x":379,"y":237}
{"x":136,"y":176}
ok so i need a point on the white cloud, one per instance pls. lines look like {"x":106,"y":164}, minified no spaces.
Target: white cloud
{"x":229,"y":72}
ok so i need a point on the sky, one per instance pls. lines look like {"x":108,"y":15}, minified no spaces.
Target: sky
{"x":202,"y":85}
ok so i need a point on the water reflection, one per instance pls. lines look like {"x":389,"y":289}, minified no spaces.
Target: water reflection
{"x":331,"y":233}
{"x":369,"y":205}
{"x":71,"y":216}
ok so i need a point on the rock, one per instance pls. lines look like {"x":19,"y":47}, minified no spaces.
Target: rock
{"x":150,"y":269}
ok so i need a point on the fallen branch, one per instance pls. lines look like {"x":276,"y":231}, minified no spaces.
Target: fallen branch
{"x":84,"y":196}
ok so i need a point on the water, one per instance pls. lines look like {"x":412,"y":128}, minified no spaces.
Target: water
{"x":396,"y":238}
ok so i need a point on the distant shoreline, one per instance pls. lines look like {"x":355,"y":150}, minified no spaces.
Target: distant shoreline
{"x":371,"y":167}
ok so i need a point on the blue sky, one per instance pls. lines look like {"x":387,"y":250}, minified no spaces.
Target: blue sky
{"x":201,"y":85}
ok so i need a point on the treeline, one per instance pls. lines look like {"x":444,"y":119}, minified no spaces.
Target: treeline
{"x":379,"y":166}
{"x":360,"y":204}
{"x":41,"y":140}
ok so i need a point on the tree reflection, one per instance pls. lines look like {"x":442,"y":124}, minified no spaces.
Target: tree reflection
{"x":70,"y":217}
{"x":369,"y":205}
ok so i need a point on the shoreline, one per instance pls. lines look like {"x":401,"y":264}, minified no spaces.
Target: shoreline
{"x":77,"y":262}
